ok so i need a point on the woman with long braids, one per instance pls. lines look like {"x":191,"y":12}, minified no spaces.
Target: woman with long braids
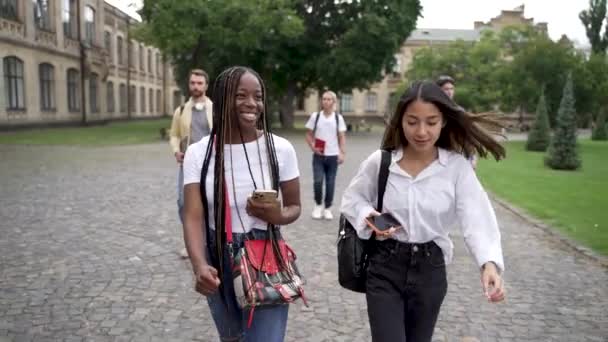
{"x":430,"y":186}
{"x":239,"y":156}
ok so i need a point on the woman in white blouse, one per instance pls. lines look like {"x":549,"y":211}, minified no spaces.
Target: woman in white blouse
{"x":430,"y":186}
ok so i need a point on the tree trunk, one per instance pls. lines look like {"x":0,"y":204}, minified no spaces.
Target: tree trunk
{"x":286,"y":111}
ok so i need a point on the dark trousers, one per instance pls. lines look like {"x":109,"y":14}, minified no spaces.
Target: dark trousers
{"x":324,"y":167}
{"x":406,"y":285}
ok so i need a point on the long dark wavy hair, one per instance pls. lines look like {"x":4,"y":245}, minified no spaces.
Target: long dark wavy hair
{"x":463,"y":132}
{"x":224,"y":109}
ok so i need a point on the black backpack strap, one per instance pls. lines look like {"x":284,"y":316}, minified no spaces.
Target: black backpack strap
{"x":181,"y":109}
{"x":385,"y":162}
{"x":314,"y":129}
{"x":338,"y":127}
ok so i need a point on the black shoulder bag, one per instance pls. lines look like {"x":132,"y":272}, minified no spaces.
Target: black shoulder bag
{"x":353,"y":251}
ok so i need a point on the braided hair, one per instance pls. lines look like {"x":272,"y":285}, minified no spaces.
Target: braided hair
{"x":224,"y":107}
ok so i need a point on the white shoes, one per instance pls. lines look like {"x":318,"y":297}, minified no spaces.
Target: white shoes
{"x":320,"y":212}
{"x":327,"y":214}
{"x":317,"y":212}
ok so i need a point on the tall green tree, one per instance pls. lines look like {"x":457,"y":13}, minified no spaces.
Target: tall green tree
{"x":562,"y":153}
{"x":474,"y":66}
{"x":593,"y":19}
{"x":540,"y":134}
{"x":294,"y":44}
{"x":536,"y":61}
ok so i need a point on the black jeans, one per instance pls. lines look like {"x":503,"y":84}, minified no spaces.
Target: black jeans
{"x":324,"y":167}
{"x":406,"y":285}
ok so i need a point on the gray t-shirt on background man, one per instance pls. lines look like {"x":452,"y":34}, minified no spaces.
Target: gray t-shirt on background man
{"x":200,"y":126}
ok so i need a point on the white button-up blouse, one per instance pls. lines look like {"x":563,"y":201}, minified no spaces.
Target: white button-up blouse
{"x":444,"y":193}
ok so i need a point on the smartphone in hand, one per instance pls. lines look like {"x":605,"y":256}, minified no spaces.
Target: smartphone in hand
{"x":383,"y":222}
{"x":266,"y":196}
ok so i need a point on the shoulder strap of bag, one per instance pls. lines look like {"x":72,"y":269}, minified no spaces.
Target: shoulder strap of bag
{"x":314,"y":129}
{"x":181,"y":109}
{"x":383,"y":177}
{"x":338,"y":126}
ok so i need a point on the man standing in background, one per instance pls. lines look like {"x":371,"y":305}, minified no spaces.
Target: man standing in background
{"x":448,"y":85}
{"x":192,"y":121}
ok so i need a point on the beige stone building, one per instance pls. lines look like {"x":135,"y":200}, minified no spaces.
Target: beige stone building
{"x":370,"y":104}
{"x":47,"y":76}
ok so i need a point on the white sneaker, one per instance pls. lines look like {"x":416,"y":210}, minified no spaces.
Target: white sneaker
{"x":327,"y":214}
{"x":183,"y":253}
{"x":317,"y":212}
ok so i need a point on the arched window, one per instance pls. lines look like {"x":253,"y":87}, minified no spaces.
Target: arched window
{"x":123,"y":98}
{"x":14,"y":83}
{"x":47,"y":87}
{"x":110,"y":97}
{"x":94,"y":92}
{"x":73,"y":90}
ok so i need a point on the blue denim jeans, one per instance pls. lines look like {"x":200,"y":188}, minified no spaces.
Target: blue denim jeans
{"x":324,"y":167}
{"x":269,"y":322}
{"x":180,"y":193}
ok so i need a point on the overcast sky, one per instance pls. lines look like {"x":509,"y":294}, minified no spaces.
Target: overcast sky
{"x":561,"y":16}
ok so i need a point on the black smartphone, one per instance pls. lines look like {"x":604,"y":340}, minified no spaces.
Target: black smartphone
{"x":384,"y":221}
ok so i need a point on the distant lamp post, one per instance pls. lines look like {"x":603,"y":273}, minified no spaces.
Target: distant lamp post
{"x":129,"y":56}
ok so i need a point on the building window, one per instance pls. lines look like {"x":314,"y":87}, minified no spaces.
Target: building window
{"x":151,"y":100}
{"x":14,"y":83}
{"x":132,"y":99}
{"x":42,"y":15}
{"x":142,"y":100}
{"x":371,"y":103}
{"x":8,"y":9}
{"x":158,"y":65}
{"x":131,"y":53}
{"x":89,"y":25}
{"x":47,"y":87}
{"x":346,"y":103}
{"x":158,"y":102}
{"x":93,"y":92}
{"x":142,"y":58}
{"x":119,"y":50}
{"x":150,"y":61}
{"x":110,"y":97}
{"x":69,"y":18}
{"x":107,"y":44}
{"x":123,"y":98}
{"x":177,"y":98}
{"x":73,"y":90}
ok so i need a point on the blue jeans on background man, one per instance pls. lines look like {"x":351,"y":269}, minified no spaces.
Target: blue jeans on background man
{"x":180,"y":193}
{"x":324,"y":167}
{"x":269,"y":322}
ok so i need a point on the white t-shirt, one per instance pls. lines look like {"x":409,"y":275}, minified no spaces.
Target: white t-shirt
{"x":326,"y":130}
{"x":288,"y":170}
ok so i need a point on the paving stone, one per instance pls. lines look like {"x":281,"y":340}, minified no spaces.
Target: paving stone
{"x":89,"y":252}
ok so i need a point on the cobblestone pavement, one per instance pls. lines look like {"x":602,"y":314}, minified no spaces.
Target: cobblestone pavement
{"x":88,"y":252}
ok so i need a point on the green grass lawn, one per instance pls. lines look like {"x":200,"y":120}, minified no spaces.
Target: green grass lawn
{"x":116,"y":133}
{"x":575,"y":202}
